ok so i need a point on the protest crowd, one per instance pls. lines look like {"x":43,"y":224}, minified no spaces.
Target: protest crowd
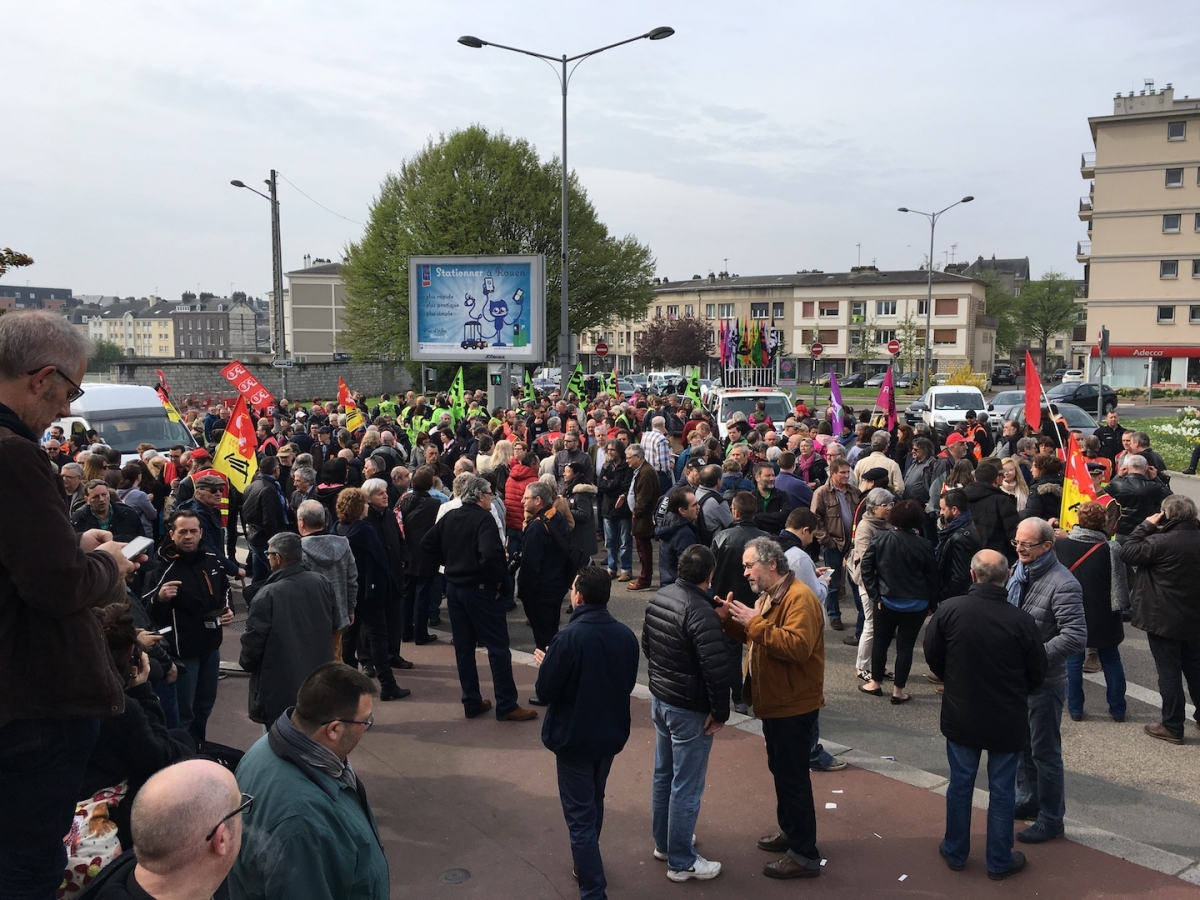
{"x":350,"y":527}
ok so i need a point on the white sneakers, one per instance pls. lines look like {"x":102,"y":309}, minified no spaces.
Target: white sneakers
{"x":661,"y":855}
{"x":702,"y":870}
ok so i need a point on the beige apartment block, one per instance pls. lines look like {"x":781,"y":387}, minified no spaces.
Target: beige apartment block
{"x":1142,"y":262}
{"x":838,"y":309}
{"x":142,"y":328}
{"x":314,"y":309}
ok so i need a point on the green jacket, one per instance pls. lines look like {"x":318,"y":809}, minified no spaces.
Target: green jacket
{"x":308,"y":837}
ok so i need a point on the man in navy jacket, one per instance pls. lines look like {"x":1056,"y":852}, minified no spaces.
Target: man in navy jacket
{"x":586,"y":676}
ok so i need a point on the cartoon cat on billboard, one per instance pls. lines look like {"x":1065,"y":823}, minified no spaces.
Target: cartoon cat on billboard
{"x":493,"y":312}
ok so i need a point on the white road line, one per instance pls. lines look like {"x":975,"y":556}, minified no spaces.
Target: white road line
{"x":1137,"y":692}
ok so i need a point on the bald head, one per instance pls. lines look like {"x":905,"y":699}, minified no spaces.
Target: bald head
{"x":174,"y":811}
{"x":989,"y":567}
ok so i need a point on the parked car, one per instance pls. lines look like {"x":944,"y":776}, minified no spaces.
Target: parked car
{"x":947,"y":406}
{"x":625,"y":386}
{"x":904,"y":382}
{"x":912,"y":413}
{"x":1072,"y":376}
{"x":544,"y":385}
{"x":1004,"y":374}
{"x":1000,"y":405}
{"x":1086,"y":396}
{"x":1057,"y":375}
{"x":1077,"y":419}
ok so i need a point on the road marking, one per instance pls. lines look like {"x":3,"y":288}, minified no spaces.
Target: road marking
{"x":1137,"y":692}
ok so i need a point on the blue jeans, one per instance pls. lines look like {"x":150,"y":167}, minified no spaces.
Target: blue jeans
{"x":833,"y":559}
{"x":680,"y":763}
{"x":196,"y":689}
{"x":818,"y":756}
{"x":415,"y":612}
{"x":168,"y":697}
{"x":1040,"y":780}
{"x":42,"y":763}
{"x":1002,"y":773}
{"x":260,"y":568}
{"x":581,"y":791}
{"x":618,"y":539}
{"x":1114,"y":681}
{"x":476,"y":617}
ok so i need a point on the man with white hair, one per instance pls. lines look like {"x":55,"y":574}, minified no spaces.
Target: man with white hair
{"x":878,"y":458}
{"x":187,"y":824}
{"x":72,"y":479}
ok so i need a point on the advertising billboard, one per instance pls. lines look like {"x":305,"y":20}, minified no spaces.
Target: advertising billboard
{"x":477,"y":308}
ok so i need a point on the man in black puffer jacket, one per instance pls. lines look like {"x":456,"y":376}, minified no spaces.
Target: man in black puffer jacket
{"x":958,"y":542}
{"x":993,"y":512}
{"x":688,"y":671}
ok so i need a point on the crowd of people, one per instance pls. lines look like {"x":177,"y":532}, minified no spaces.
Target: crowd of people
{"x":765,"y":539}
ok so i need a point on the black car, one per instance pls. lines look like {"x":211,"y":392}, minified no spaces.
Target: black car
{"x":1085,"y":396}
{"x":912,"y":414}
{"x":1004,"y":374}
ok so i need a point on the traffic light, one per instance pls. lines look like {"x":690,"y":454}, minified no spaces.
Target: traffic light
{"x":496,"y":379}
{"x":1103,"y":341}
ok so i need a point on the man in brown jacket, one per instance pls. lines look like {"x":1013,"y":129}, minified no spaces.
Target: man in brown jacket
{"x":834,"y":504}
{"x":56,"y":674}
{"x":785,"y":675}
{"x":642,"y":499}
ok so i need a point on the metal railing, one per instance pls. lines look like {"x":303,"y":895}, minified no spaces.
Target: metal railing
{"x":1087,"y":160}
{"x":1083,"y":248}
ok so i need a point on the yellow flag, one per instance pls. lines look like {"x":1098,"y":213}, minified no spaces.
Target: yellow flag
{"x":235,"y":456}
{"x":1072,"y":497}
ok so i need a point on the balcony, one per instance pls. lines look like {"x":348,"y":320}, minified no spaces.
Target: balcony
{"x":1085,"y":208}
{"x":1087,"y":165}
{"x":1083,"y":251}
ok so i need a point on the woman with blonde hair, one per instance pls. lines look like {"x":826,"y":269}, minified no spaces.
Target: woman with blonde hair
{"x":1014,"y":482}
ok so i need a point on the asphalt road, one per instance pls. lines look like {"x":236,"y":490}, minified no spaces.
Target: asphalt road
{"x":1118,"y":779}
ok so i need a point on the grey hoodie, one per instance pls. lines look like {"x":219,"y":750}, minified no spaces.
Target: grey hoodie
{"x":330,"y":555}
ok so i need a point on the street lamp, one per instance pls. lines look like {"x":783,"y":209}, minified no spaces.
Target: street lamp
{"x":467,"y":40}
{"x":277,"y":273}
{"x":932,"y":217}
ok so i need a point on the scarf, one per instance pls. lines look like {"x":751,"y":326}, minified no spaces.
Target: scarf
{"x":1022,"y":575}
{"x":1118,"y":579}
{"x":952,"y":526}
{"x":311,"y":753}
{"x":14,"y":423}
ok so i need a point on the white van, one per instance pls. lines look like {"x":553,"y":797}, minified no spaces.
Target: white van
{"x":125,"y":415}
{"x":724,"y":402}
{"x":947,"y":405}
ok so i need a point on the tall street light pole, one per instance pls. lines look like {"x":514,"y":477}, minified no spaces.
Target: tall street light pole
{"x":932,"y":217}
{"x":277,"y":274}
{"x":467,"y":40}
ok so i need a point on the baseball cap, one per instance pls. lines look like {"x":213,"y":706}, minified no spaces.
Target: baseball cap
{"x":876,"y":475}
{"x":956,"y":438}
{"x":695,"y":462}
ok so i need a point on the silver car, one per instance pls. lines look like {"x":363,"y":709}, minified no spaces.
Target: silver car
{"x":1000,"y":405}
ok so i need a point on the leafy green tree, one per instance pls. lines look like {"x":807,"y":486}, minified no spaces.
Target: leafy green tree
{"x":104,"y":353}
{"x":1047,"y":307}
{"x":675,"y":342}
{"x":1005,"y":306}
{"x":12,"y":259}
{"x":478,"y":193}
{"x":911,"y":335}
{"x":865,"y":350}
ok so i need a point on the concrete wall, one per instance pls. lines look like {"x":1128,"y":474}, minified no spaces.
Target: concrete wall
{"x":304,"y":380}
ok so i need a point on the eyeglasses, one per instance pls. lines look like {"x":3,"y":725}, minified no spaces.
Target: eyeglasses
{"x":749,"y":565}
{"x":367,"y":723}
{"x":72,"y":395}
{"x":243,"y":807}
{"x":1026,"y":545}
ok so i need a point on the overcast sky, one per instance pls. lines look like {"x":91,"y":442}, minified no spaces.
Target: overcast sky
{"x":777,"y":135}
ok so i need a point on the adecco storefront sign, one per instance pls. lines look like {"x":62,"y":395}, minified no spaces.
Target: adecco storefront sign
{"x":1150,"y":352}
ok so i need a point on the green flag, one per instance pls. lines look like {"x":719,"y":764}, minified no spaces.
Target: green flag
{"x":575,"y":385}
{"x":530,"y":393}
{"x":693,"y":387}
{"x":458,"y":406}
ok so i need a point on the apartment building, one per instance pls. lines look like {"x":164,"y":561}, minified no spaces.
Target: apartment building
{"x":840,"y":310}
{"x":314,"y":309}
{"x":15,"y":297}
{"x":1142,"y":259}
{"x":203,"y":327}
{"x":141,"y":328}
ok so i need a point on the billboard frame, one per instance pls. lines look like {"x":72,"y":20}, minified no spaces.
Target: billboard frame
{"x":424,"y":275}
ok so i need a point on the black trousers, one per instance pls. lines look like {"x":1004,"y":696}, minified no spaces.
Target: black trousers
{"x":904,"y":628}
{"x":476,"y":617}
{"x":544,"y":615}
{"x":370,"y":626}
{"x":581,"y":790}
{"x":789,"y":742}
{"x":1175,"y":662}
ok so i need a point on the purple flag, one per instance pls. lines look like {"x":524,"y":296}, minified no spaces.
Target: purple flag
{"x":835,"y":400}
{"x":887,"y":400}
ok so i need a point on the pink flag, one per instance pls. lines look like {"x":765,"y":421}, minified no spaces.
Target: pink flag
{"x":887,"y":400}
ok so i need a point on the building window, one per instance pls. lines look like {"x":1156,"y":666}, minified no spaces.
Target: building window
{"x":689,"y":310}
{"x":1171,"y":223}
{"x":758,"y":310}
{"x":1196,"y":268}
{"x":724,"y":310}
{"x":808,"y":308}
{"x":1168,"y":268}
{"x":945,"y":336}
{"x":673,"y":312}
{"x":921,"y":307}
{"x":858,"y":310}
{"x":1058,"y":345}
{"x":855,"y":338}
{"x":1194,"y":314}
{"x":1166,"y":314}
{"x":828,"y":309}
{"x":1174,"y":177}
{"x":658,"y":312}
{"x":710,"y":310}
{"x":1198,"y":221}
{"x":777,"y":311}
{"x":1176,"y":131}
{"x":621,"y":339}
{"x":945,"y":306}
{"x":885,"y":335}
{"x":885,"y":307}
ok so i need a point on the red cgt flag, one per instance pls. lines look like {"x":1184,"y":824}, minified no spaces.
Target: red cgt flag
{"x":1033,"y":394}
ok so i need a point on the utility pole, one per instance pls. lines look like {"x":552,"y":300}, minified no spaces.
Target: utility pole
{"x":277,"y":267}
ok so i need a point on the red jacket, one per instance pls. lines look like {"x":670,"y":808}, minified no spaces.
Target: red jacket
{"x":519,"y":476}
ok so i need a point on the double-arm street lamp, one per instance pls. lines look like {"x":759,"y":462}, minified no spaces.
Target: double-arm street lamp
{"x":277,"y":274}
{"x":657,"y":34}
{"x":932,"y":217}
